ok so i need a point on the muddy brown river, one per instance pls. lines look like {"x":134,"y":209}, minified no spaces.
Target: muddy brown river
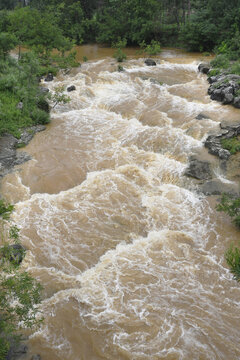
{"x":130,"y":254}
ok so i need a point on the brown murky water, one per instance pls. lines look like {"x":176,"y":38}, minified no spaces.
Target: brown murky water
{"x":131,"y":257}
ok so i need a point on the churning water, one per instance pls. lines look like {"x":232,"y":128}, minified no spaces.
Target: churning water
{"x":130,"y":255}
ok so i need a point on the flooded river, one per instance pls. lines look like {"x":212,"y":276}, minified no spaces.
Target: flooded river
{"x":130,"y":254}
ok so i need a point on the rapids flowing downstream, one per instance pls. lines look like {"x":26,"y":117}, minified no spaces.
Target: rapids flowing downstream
{"x":130,"y":255}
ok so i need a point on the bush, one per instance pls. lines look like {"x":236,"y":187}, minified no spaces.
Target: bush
{"x":231,"y":206}
{"x":119,"y":55}
{"x":153,"y":48}
{"x":233,"y":145}
{"x":214,"y":72}
{"x":221,"y":61}
{"x":40,"y":117}
{"x":232,"y":257}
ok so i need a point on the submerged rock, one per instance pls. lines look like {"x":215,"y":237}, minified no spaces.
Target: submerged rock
{"x":49,"y":77}
{"x":198,"y":169}
{"x":201,"y":116}
{"x":36,"y":357}
{"x":217,"y":187}
{"x":204,"y":68}
{"x":71,"y":88}
{"x":150,"y":62}
{"x":17,"y":351}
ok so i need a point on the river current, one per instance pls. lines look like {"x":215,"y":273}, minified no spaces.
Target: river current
{"x":130,"y":254}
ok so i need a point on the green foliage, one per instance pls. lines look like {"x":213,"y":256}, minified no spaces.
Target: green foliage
{"x":119,"y":55}
{"x":231,"y":206}
{"x":5,"y":209}
{"x":233,"y":144}
{"x":221,"y":61}
{"x":85,"y":59}
{"x":7,"y":43}
{"x":19,"y":292}
{"x":214,"y":72}
{"x":58,"y":97}
{"x":154,"y":48}
{"x":232,"y":257}
{"x":19,"y":84}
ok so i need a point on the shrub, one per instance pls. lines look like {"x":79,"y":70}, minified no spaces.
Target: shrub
{"x":233,"y":144}
{"x":214,"y":72}
{"x":231,"y":206}
{"x":153,"y":48}
{"x":221,"y":61}
{"x":40,"y":117}
{"x":119,"y":55}
{"x":232,"y":257}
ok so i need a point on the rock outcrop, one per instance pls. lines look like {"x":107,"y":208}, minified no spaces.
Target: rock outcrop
{"x":9,"y":157}
{"x":150,"y":62}
{"x":213,"y":142}
{"x":198,"y":169}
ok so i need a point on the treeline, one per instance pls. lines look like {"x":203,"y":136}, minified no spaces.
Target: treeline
{"x":199,"y":25}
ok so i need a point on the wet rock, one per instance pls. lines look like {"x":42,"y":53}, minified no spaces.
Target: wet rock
{"x":36,"y":357}
{"x":43,"y":90}
{"x":201,"y":116}
{"x":217,"y":187}
{"x":49,"y":77}
{"x":7,"y":151}
{"x":150,"y":62}
{"x":213,"y":144}
{"x":9,"y":157}
{"x":236,"y":102}
{"x":17,"y":351}
{"x":204,"y":68}
{"x":28,"y":133}
{"x":71,"y":88}
{"x":227,"y":95}
{"x":20,"y":105}
{"x":198,"y":169}
{"x":217,"y":95}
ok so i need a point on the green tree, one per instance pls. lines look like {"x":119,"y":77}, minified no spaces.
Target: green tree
{"x":7,"y":43}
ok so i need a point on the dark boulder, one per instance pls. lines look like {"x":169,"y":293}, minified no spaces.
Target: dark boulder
{"x":213,"y":144}
{"x":16,"y":351}
{"x":201,"y":116}
{"x":43,"y":90}
{"x":150,"y":62}
{"x":204,"y":68}
{"x":216,"y":95}
{"x":227,"y":95}
{"x":49,"y":77}
{"x":71,"y":88}
{"x":198,"y":169}
{"x":236,"y":102}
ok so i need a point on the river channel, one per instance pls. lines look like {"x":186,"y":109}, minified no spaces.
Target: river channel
{"x":129,"y":252}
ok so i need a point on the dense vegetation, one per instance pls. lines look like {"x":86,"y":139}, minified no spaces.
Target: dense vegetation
{"x":196,"y":24}
{"x":19,"y":292}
